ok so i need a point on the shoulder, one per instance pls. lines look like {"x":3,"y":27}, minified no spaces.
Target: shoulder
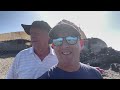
{"x":85,"y":66}
{"x":44,"y":76}
{"x":91,"y":70}
{"x":22,"y":53}
{"x":26,"y":51}
{"x":52,"y":69}
{"x":49,"y":74}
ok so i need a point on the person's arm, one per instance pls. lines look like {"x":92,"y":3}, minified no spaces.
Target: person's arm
{"x":12,"y":70}
{"x":101,"y":70}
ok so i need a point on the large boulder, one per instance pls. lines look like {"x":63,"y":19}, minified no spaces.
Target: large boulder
{"x":115,"y":67}
{"x":94,"y":45}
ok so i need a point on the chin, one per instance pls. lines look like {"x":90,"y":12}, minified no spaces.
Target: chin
{"x":68,"y":57}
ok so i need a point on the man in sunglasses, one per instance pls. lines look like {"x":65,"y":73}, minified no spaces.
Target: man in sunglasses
{"x":66,"y":41}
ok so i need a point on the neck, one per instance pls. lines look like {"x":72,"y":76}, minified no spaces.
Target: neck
{"x":42,"y":53}
{"x":69,"y":67}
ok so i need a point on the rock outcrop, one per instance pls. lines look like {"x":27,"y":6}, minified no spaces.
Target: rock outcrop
{"x":103,"y":58}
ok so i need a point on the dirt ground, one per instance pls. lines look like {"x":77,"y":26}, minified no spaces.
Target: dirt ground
{"x":6,"y":62}
{"x":4,"y":66}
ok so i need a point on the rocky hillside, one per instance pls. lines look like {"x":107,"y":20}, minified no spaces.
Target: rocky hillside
{"x":14,"y":36}
{"x":14,"y":42}
{"x":107,"y":58}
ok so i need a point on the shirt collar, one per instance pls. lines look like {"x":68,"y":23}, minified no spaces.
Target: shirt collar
{"x":31,"y":50}
{"x":51,"y":50}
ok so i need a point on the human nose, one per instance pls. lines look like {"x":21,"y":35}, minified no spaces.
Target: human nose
{"x":65,"y":44}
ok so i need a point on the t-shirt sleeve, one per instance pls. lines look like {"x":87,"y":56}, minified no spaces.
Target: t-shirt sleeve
{"x":45,"y":76}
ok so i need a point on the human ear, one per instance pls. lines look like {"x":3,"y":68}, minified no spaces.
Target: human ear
{"x":52,"y":45}
{"x":81,"y":42}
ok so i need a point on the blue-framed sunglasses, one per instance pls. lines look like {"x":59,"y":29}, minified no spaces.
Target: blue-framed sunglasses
{"x":71,"y":40}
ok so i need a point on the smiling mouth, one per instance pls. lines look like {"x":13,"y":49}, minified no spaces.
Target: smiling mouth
{"x":66,"y":53}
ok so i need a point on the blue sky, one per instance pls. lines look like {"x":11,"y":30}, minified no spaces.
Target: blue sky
{"x":10,"y":21}
{"x":101,"y":24}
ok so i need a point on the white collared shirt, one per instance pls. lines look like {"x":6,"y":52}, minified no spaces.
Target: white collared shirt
{"x":27,"y":65}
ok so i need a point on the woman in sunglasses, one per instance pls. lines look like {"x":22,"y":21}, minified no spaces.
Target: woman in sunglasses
{"x":66,"y":42}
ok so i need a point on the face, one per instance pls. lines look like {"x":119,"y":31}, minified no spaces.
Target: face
{"x":39,"y":38}
{"x":69,"y":50}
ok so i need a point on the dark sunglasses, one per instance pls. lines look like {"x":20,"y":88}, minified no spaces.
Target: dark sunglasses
{"x":71,"y":40}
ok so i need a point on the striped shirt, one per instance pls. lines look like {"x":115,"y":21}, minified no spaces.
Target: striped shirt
{"x":27,"y":65}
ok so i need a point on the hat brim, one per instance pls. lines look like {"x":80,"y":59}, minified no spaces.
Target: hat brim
{"x":26,"y":28}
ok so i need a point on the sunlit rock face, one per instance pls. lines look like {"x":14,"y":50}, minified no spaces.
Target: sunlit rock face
{"x":93,"y":45}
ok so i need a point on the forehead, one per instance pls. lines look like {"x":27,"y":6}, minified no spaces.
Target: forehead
{"x":32,"y":30}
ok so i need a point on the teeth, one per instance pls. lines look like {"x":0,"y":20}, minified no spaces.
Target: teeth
{"x":66,"y":53}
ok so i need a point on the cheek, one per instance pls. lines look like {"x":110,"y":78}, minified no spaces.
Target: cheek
{"x":77,"y":48}
{"x":43,"y":40}
{"x":47,"y":39}
{"x":57,"y":50}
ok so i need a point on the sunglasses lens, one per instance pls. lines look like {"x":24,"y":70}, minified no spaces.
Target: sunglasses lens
{"x":58,"y":41}
{"x":72,"y":40}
